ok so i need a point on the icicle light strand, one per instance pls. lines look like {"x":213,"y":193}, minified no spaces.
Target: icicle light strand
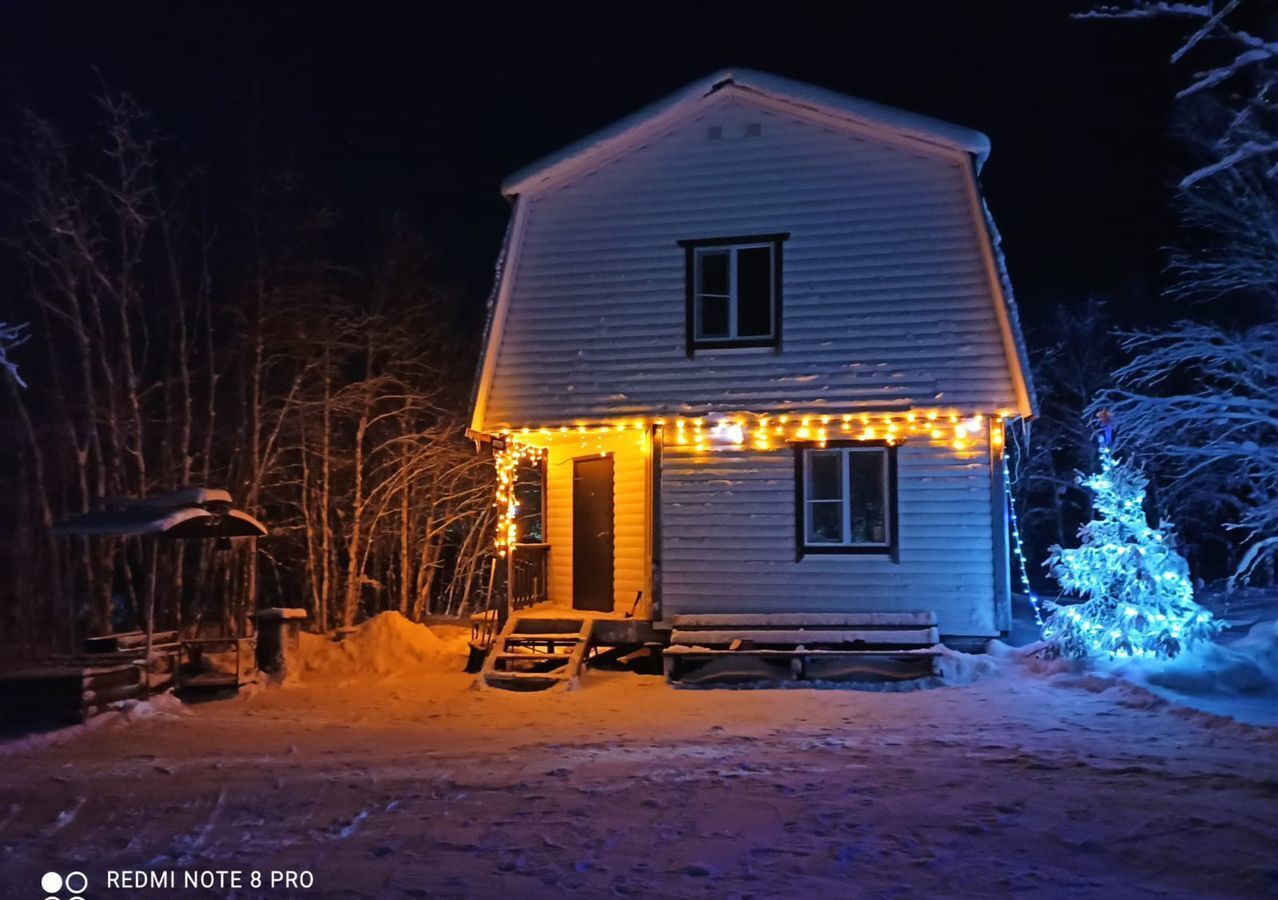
{"x":1019,"y":548}
{"x":960,"y":431}
{"x":507,"y":461}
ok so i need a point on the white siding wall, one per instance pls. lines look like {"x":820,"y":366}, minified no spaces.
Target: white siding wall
{"x":728,"y":538}
{"x":631,"y":551}
{"x":886,"y":299}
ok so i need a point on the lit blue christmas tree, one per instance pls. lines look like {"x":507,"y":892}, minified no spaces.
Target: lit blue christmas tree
{"x":1138,"y":600}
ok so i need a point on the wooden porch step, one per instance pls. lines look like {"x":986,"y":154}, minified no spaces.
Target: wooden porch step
{"x":526,"y":676}
{"x":500,"y":666}
{"x":687,"y":663}
{"x":523,"y":681}
{"x":540,"y":668}
{"x":805,"y":620}
{"x":902,"y":641}
{"x":529,"y":625}
{"x":922,"y":636}
{"x":708,"y":651}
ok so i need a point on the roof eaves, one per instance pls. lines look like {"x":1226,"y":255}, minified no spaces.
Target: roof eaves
{"x":499,"y":272}
{"x":1009,"y":299}
{"x":915,"y":125}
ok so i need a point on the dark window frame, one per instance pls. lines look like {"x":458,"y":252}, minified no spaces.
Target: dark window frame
{"x":690,"y":247}
{"x":802,"y":547}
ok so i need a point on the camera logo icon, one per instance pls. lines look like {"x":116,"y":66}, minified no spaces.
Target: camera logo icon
{"x":74,"y":883}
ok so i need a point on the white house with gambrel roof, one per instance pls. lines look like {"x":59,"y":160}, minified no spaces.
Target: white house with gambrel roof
{"x":760,"y":340}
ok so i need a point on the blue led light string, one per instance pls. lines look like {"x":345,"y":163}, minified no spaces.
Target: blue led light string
{"x":1019,"y":548}
{"x":1138,"y":599}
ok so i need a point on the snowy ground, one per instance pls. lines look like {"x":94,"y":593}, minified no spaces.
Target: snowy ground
{"x":415,"y":785}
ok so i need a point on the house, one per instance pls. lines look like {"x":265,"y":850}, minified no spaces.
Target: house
{"x":750,"y":354}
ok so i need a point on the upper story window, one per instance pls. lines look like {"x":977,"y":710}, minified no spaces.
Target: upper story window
{"x":847,"y":499}
{"x":733,"y":291}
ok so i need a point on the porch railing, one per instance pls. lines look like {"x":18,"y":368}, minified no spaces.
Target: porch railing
{"x":517,"y":582}
{"x":528,"y":570}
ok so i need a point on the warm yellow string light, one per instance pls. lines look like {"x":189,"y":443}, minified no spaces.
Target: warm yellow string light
{"x":960,"y":431}
{"x":736,"y":431}
{"x":507,"y":461}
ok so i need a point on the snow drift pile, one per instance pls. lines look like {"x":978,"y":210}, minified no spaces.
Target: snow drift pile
{"x":1248,"y":665}
{"x":1234,"y":676}
{"x":386,"y":643}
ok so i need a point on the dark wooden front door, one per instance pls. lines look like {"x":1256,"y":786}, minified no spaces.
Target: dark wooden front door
{"x":592,"y":533}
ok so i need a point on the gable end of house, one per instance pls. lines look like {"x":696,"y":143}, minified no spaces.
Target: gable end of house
{"x":864,"y":121}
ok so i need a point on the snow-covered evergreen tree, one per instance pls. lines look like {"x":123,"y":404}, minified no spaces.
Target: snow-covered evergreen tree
{"x":1138,"y":600}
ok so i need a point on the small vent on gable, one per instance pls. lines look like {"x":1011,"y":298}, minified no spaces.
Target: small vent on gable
{"x":714,"y":132}
{"x":753,"y":129}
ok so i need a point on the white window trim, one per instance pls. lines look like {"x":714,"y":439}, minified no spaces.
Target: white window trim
{"x":732,"y":298}
{"x":845,"y":500}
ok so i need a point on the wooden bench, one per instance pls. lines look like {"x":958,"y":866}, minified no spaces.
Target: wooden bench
{"x":824,"y":646}
{"x":128,"y":640}
{"x":217,"y":663}
{"x":129,"y":648}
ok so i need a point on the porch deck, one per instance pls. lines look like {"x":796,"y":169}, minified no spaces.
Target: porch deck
{"x":612,"y":628}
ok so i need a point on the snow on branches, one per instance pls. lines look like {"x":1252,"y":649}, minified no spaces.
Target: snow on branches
{"x":1200,"y":399}
{"x":1201,"y":403}
{"x":1137,"y":597}
{"x":1231,"y":57}
{"x":11,"y":336}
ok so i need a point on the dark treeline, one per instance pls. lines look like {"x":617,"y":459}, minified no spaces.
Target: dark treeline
{"x":176,"y":338}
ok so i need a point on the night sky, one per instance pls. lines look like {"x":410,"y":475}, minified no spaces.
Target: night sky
{"x":421,"y":108}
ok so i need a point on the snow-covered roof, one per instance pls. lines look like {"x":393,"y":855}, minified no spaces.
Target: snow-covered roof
{"x":183,"y":496}
{"x":190,"y":512}
{"x":852,"y":109}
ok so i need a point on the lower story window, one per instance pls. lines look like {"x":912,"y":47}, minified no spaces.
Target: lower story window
{"x":846,"y":499}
